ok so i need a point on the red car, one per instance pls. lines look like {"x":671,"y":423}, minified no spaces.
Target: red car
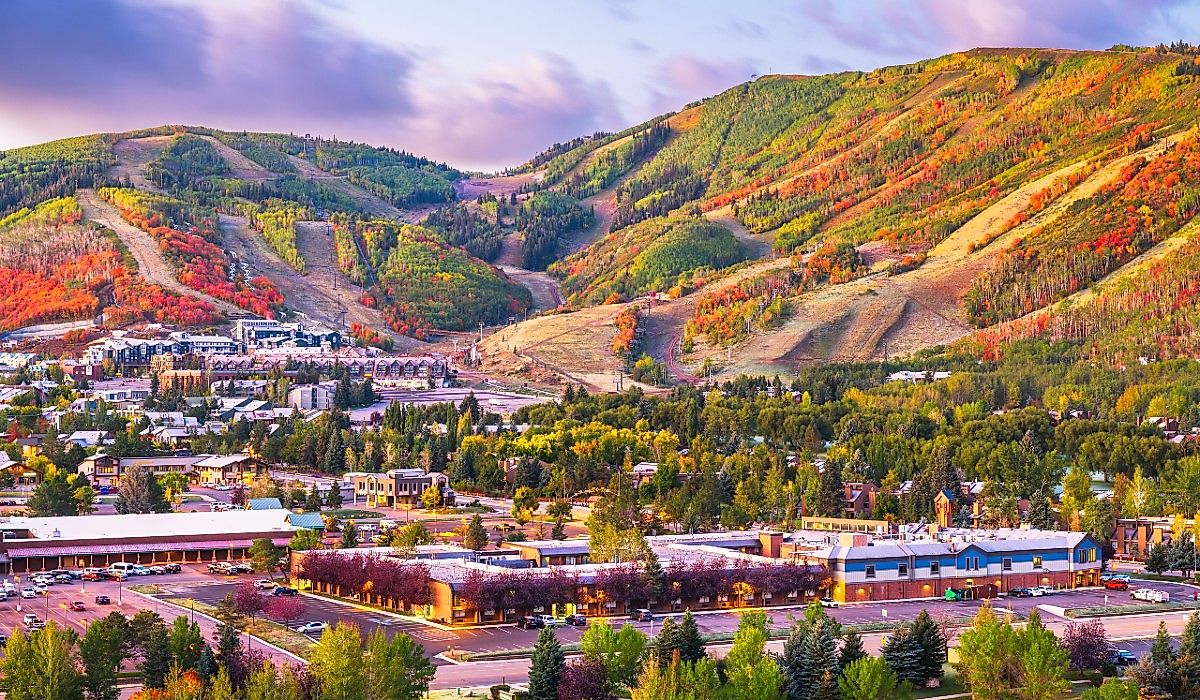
{"x":77,"y":606}
{"x":1116,"y":584}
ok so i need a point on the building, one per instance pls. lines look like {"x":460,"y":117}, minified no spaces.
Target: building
{"x":864,"y":569}
{"x":397,"y":487}
{"x":310,"y":397}
{"x":189,"y":344}
{"x":268,"y":333}
{"x":90,"y":438}
{"x":106,"y":471}
{"x":1133,"y":537}
{"x":40,"y":544}
{"x":124,"y":351}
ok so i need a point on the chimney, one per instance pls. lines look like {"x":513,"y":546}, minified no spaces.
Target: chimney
{"x":772,"y":543}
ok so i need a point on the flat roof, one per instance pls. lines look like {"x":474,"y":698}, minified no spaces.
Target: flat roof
{"x":226,"y":524}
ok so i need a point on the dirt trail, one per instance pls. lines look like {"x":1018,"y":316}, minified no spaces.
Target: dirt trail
{"x":133,"y":155}
{"x":759,"y":244}
{"x":240,"y":166}
{"x":499,"y":185}
{"x":322,"y":294}
{"x":546,"y":291}
{"x":152,"y":266}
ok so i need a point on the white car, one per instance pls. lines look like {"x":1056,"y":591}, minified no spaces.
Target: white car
{"x":828,"y":603}
{"x":40,"y":589}
{"x":29,"y":618}
{"x":265,"y":584}
{"x":312,"y":628}
{"x":1046,"y":590}
{"x":28,"y":593}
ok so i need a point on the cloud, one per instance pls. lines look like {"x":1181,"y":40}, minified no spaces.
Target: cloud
{"x":106,"y":64}
{"x":684,"y":78}
{"x":513,"y":111}
{"x":930,"y":27}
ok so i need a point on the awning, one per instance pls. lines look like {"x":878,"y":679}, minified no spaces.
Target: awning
{"x":135,"y":548}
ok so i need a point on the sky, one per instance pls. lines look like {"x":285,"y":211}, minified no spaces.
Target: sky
{"x":482,"y":85}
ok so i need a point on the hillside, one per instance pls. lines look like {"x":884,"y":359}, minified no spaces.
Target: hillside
{"x":232,"y":224}
{"x":971,"y":189}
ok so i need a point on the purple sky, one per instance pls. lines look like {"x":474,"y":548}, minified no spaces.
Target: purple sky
{"x":481,"y":84}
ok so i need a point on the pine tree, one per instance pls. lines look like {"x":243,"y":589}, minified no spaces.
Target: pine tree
{"x":349,"y":535}
{"x":852,"y":649}
{"x":809,"y":655}
{"x":904,"y":654}
{"x":333,"y":499}
{"x":1158,"y":559}
{"x":476,"y":536}
{"x":691,"y":644}
{"x":1161,"y":651}
{"x":1189,"y":652}
{"x":546,"y":667}
{"x":654,"y":576}
{"x":312,"y":503}
{"x":666,"y":644}
{"x":156,"y":657}
{"x":206,"y":667}
{"x":933,"y":646}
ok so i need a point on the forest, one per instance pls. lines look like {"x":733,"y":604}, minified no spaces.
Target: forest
{"x":544,"y":221}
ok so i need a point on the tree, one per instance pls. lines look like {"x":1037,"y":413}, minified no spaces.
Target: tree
{"x":546,"y":667}
{"x":666,"y":644}
{"x":286,"y":609}
{"x":173,"y":485}
{"x":248,"y":600}
{"x":1112,"y":689}
{"x":156,"y":657}
{"x":207,"y":665}
{"x":620,"y":652}
{"x":304,"y":540}
{"x":395,"y":669}
{"x":933,"y":643}
{"x":584,"y":679}
{"x":1181,"y":553}
{"x":1043,"y":661}
{"x":431,"y":497}
{"x":753,"y":674}
{"x":809,"y":655}
{"x":336,"y":664}
{"x":985,"y":657}
{"x":852,"y":649}
{"x":40,"y":666}
{"x":313,"y":502}
{"x":61,"y":493}
{"x":869,"y":678}
{"x":333,"y":499}
{"x":680,"y":681}
{"x":691,"y":644}
{"x":1158,"y":559}
{"x":1189,"y":652}
{"x":101,"y":650}
{"x":1087,"y":644}
{"x":140,"y":492}
{"x":408,"y":537}
{"x":185,"y":641}
{"x":349,"y":535}
{"x":525,"y":503}
{"x":904,"y":654}
{"x":265,"y":556}
{"x":476,"y":536}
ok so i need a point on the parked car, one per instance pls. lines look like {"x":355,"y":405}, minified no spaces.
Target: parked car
{"x":285,"y":590}
{"x":39,"y":589}
{"x":243,"y":568}
{"x":3,"y":640}
{"x":576,"y":620}
{"x":29,"y":618}
{"x":529,"y":622}
{"x":28,"y":593}
{"x":1122,"y":657}
{"x":1020,"y":593}
{"x":103,"y":600}
{"x":157,"y":569}
{"x":265,"y":584}
{"x":77,"y":606}
{"x":641,"y":615}
{"x":1116,"y":584}
{"x":828,"y":602}
{"x":172,"y":568}
{"x":550,"y":621}
{"x":312,"y":628}
{"x":62,"y":578}
{"x":1045,"y":590}
{"x":35,"y":626}
{"x":220,"y":567}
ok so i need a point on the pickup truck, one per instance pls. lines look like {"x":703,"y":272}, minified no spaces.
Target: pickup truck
{"x":1150,"y":595}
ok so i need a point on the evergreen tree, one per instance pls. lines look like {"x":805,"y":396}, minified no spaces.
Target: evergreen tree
{"x":654,"y":576}
{"x":206,"y":667}
{"x":830,"y":492}
{"x":546,"y":667}
{"x":809,"y":655}
{"x":312,"y":503}
{"x":666,"y":644}
{"x":333,"y":499}
{"x":156,"y":657}
{"x":852,"y":649}
{"x":691,"y":644}
{"x":185,"y":641}
{"x":870,"y":678}
{"x":476,"y":536}
{"x":933,"y":644}
{"x":1040,"y":516}
{"x":905,"y":656}
{"x":349,"y":535}
{"x":1158,"y":559}
{"x":1189,"y":652}
{"x":559,"y":531}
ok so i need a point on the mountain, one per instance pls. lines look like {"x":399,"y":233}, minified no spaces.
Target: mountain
{"x":974,"y":199}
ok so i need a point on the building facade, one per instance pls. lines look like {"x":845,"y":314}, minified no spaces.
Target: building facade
{"x":398,"y":487}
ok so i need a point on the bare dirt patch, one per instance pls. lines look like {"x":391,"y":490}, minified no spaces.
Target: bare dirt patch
{"x":499,"y":185}
{"x":133,"y":155}
{"x":240,"y":166}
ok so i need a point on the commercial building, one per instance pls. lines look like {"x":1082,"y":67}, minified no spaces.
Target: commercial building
{"x":397,"y":487}
{"x":106,"y":471}
{"x":40,"y":544}
{"x":312,"y":397}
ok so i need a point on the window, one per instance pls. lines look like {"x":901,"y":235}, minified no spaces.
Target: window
{"x":902,"y":570}
{"x":1006,"y":563}
{"x":1037,"y":562}
{"x":935,"y":568}
{"x":870,"y":571}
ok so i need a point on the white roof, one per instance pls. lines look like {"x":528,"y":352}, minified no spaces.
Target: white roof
{"x":102,"y":527}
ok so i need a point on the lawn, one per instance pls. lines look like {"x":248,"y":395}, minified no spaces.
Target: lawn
{"x":354,"y":514}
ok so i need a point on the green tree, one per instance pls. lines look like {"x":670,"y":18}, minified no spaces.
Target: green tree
{"x":333,"y":499}
{"x":186,"y":642}
{"x":691,"y":643}
{"x":546,"y":667}
{"x":476,"y":536}
{"x":1112,"y":689}
{"x":869,"y":678}
{"x":61,"y":493}
{"x":395,"y":669}
{"x":679,"y":681}
{"x":336,"y":664}
{"x":101,"y":650}
{"x":525,"y":503}
{"x":1043,"y":661}
{"x":265,"y":556}
{"x":304,"y":540}
{"x":349,"y":535}
{"x":666,"y":643}
{"x":1158,"y":559}
{"x":621,"y":652}
{"x":40,"y":666}
{"x":431,"y":497}
{"x":852,"y":649}
{"x":313,"y":502}
{"x":932,"y":642}
{"x":140,"y":492}
{"x":753,"y":675}
{"x":156,"y":657}
{"x":986,"y":657}
{"x":206,"y":667}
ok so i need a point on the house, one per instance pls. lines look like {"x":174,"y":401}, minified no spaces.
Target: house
{"x":912,"y":377}
{"x":90,"y":438}
{"x":106,"y":471}
{"x":397,"y":487}
{"x":859,"y":499}
{"x":189,"y":344}
{"x":263,"y":504}
{"x":21,"y":475}
{"x":308,"y":397}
